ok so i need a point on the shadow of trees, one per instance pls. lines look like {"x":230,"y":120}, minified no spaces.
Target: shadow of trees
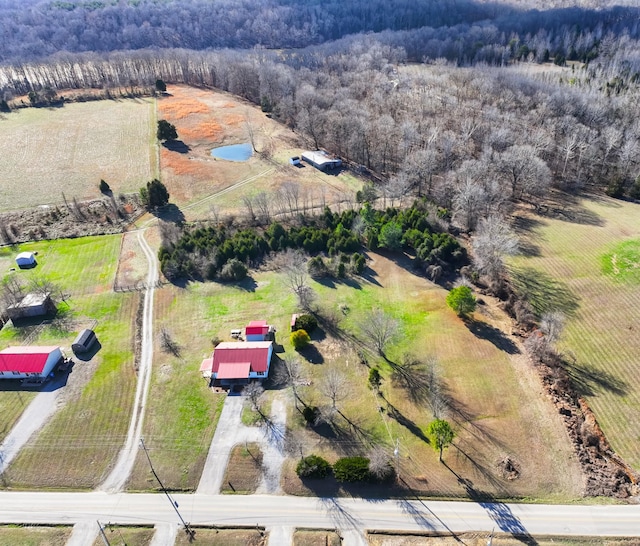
{"x":498,"y":511}
{"x":587,"y":381}
{"x":176,"y":146}
{"x":568,"y":208}
{"x":485,"y":331}
{"x":170,"y":213}
{"x":544,"y":293}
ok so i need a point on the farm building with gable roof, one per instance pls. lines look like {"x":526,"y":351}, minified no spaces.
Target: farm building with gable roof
{"x":29,"y":362}
{"x":238,"y":362}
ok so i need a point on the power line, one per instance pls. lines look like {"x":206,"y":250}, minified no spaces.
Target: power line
{"x":190,"y":532}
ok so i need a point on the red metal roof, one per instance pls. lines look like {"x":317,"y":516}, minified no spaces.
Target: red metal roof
{"x":206,"y":365}
{"x":258,"y":327}
{"x":25,"y":359}
{"x":233,"y":370}
{"x":254,"y":352}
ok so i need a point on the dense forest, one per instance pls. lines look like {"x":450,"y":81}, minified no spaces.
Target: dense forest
{"x":466,"y":31}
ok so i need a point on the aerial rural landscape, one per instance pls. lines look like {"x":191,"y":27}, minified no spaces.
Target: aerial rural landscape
{"x":293,"y":272}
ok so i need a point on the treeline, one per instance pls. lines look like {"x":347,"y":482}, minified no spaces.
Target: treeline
{"x":334,"y":239}
{"x":464,"y":31}
{"x":473,"y":140}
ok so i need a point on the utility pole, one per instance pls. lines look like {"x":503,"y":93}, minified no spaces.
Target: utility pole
{"x":396,"y":455}
{"x":102,"y":535}
{"x":190,"y":532}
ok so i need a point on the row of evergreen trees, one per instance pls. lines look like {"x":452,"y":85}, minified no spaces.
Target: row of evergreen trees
{"x":202,"y":252}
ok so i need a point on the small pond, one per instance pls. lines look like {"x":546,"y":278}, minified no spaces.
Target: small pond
{"x":236,"y":152}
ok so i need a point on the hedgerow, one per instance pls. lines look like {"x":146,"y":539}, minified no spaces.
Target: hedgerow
{"x":335,"y":240}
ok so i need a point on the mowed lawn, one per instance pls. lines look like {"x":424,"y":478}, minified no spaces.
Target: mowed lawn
{"x":182,"y":413}
{"x":587,"y":268}
{"x":69,"y":149}
{"x":76,"y":448}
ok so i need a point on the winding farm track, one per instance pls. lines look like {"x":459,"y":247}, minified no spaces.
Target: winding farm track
{"x":126,"y":459}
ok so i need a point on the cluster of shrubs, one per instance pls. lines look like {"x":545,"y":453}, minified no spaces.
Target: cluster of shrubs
{"x":335,"y":240}
{"x":303,"y":326}
{"x":346,"y":469}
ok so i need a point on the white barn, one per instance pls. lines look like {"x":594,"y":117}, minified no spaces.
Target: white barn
{"x":321,"y":160}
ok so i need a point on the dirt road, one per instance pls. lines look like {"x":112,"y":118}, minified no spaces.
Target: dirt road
{"x":126,"y":459}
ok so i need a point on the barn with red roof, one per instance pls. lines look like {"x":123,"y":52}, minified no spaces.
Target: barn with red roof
{"x":238,"y":362}
{"x":259,"y":330}
{"x":29,"y":362}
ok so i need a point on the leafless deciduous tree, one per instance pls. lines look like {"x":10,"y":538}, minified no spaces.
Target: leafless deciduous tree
{"x":168,"y":343}
{"x":169,"y":233}
{"x":380,"y":328}
{"x":293,"y":264}
{"x":290,"y":373}
{"x":254,"y":392}
{"x":12,"y":291}
{"x":493,"y":241}
{"x":380,"y":463}
{"x":263,"y":207}
{"x":334,"y":386}
{"x":551,"y":325}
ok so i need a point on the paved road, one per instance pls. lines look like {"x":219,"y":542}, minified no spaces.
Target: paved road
{"x":127,"y":456}
{"x":345,"y":514}
{"x":37,"y":414}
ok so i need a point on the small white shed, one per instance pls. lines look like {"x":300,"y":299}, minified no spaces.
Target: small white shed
{"x":26,"y":259}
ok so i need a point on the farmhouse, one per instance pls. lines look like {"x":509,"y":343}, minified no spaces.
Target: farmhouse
{"x":259,"y":330}
{"x":237,"y":362}
{"x":29,"y":362}
{"x":25,"y":260}
{"x":321,"y":160}
{"x":32,"y":305}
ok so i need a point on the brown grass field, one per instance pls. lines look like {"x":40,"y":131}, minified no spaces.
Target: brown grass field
{"x":499,"y":539}
{"x":13,"y":535}
{"x":244,"y":470}
{"x":70,"y":149}
{"x":205,"y":119}
{"x":138,"y":536}
{"x":319,"y":537}
{"x":600,"y":339}
{"x":226,"y":537}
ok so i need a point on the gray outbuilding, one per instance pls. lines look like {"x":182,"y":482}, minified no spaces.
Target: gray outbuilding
{"x":84,"y":341}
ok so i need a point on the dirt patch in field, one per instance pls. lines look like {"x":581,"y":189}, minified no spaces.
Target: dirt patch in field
{"x":132,"y":264}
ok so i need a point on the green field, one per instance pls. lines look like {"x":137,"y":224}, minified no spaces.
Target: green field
{"x":69,"y":149}
{"x":488,"y":385}
{"x":77,"y":446}
{"x":183,"y":412}
{"x":591,"y":264}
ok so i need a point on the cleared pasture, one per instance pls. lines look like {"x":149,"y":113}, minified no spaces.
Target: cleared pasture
{"x":76,"y":448}
{"x":569,"y":268}
{"x":69,"y":149}
{"x":493,"y":395}
{"x":206,"y":119}
{"x":496,"y":397}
